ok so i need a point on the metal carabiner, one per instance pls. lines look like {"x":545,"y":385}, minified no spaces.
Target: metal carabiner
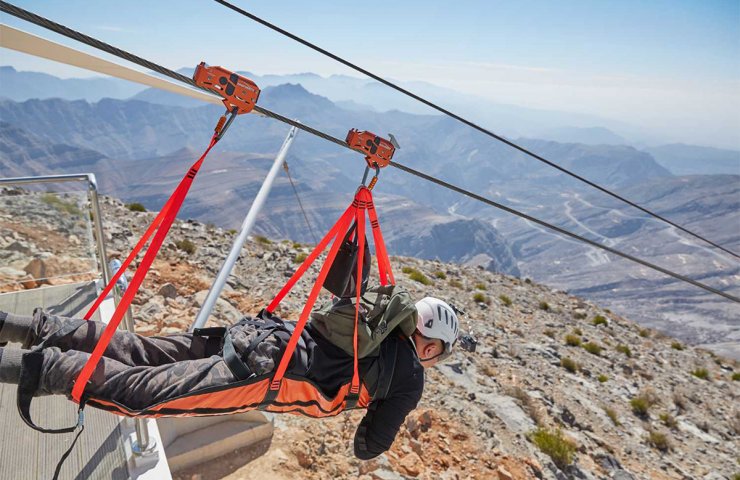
{"x":224,"y":124}
{"x":373,"y":180}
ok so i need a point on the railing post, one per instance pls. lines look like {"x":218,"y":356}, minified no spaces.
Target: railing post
{"x":92,"y":187}
{"x":143,"y":444}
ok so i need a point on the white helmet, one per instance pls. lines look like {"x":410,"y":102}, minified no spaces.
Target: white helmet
{"x":437,"y":320}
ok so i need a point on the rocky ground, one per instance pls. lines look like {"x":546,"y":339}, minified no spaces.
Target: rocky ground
{"x":51,"y":243}
{"x":557,"y":388}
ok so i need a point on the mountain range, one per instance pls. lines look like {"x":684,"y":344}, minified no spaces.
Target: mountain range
{"x":352,"y":93}
{"x":24,"y":85}
{"x":140,"y":147}
{"x":694,"y":160}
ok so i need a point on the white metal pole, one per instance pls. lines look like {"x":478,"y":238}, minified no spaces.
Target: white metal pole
{"x":241,"y":238}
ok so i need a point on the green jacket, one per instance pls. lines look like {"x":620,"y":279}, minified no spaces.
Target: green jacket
{"x":382,"y":309}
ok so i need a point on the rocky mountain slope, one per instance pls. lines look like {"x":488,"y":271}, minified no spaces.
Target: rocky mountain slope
{"x":558,"y":387}
{"x":50,"y":243}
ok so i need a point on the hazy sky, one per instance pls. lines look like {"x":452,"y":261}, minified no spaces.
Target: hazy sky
{"x":670,"y":66}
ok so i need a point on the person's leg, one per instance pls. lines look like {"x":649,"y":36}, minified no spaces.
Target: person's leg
{"x":77,"y":334}
{"x":13,"y":328}
{"x":133,"y":387}
{"x":10,"y":364}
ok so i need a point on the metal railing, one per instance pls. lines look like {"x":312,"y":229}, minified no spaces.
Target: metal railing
{"x":143,"y":444}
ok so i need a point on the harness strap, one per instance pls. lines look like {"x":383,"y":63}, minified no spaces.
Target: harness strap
{"x":210,"y":332}
{"x":362,"y":202}
{"x":351,"y":399}
{"x":235,"y":364}
{"x":66,"y":454}
{"x":384,"y":263}
{"x":331,"y":234}
{"x":354,"y":389}
{"x":172,"y":207}
{"x":259,"y":338}
{"x":234,"y":361}
{"x":131,"y":257}
{"x":28,"y":385}
{"x":301,"y":351}
{"x":334,"y":234}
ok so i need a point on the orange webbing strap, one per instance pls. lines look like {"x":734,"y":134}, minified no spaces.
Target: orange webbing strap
{"x":309,"y":260}
{"x":337,"y":234}
{"x":363,"y":201}
{"x":165,"y":222}
{"x":131,"y":257}
{"x":354,"y":388}
{"x":384,"y":264}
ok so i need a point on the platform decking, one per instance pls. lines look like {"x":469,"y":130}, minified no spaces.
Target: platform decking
{"x":27,"y":454}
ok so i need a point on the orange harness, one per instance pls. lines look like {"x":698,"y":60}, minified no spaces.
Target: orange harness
{"x":281,"y":392}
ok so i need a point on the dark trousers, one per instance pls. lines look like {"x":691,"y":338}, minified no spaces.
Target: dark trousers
{"x":138,"y":371}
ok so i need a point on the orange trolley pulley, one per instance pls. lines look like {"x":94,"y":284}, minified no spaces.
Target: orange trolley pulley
{"x":239,"y":92}
{"x":378,"y":151}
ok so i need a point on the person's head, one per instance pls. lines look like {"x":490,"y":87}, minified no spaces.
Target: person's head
{"x":436,"y":331}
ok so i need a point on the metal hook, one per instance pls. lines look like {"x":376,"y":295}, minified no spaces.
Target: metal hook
{"x":224,"y":124}
{"x":373,"y":180}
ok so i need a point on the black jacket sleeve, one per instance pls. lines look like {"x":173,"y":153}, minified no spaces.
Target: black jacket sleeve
{"x":384,"y":417}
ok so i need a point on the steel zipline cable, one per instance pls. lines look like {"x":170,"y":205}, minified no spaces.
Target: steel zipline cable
{"x":467,"y":122}
{"x":61,"y":29}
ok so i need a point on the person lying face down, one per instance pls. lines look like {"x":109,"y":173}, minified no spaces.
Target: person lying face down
{"x":139,"y":375}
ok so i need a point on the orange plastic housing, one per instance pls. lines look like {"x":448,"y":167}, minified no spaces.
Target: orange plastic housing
{"x":378,"y":151}
{"x":238,"y":91}
{"x":297,"y":396}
